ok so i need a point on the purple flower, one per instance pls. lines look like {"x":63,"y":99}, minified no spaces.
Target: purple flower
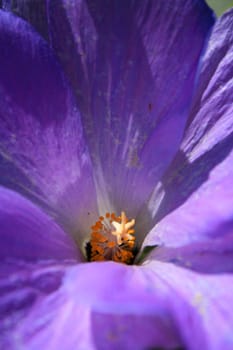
{"x":140,"y":122}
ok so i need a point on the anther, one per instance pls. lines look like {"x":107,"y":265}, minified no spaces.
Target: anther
{"x":111,"y":239}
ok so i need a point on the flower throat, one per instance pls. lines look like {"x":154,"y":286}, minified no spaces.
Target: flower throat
{"x":112,"y":239}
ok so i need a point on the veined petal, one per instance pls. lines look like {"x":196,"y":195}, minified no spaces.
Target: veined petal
{"x":196,"y":193}
{"x":209,"y":256}
{"x":199,"y":303}
{"x":121,"y":308}
{"x":42,"y":150}
{"x":27,"y":233}
{"x":32,"y":11}
{"x":22,"y":285}
{"x":100,"y":306}
{"x":125,"y":61}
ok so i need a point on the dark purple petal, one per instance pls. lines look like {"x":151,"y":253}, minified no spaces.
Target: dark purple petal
{"x":43,"y":154}
{"x":27,"y":233}
{"x":195,"y":196}
{"x":125,"y":61}
{"x":33,"y":11}
{"x":99,"y":306}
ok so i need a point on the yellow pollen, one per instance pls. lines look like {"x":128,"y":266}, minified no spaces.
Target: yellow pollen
{"x":111,"y":239}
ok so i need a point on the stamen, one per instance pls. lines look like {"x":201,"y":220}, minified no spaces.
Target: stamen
{"x":111,"y":239}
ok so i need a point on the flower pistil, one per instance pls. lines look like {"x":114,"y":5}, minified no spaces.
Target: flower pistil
{"x":112,"y":239}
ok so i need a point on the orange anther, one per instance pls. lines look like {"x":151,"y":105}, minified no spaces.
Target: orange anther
{"x":111,"y":238}
{"x":111,"y":244}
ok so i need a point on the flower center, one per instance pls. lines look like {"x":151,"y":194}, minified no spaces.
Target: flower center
{"x":112,"y":239}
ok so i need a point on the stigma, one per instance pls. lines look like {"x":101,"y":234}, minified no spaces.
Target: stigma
{"x":112,"y":239}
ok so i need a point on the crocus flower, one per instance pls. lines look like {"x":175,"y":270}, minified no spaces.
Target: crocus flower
{"x":123,"y":107}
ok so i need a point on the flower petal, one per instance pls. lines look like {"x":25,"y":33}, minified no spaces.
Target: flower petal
{"x":124,"y":60}
{"x":100,"y":305}
{"x":200,"y":305}
{"x":27,"y":233}
{"x":122,"y":309}
{"x":195,"y":196}
{"x":21,"y":286}
{"x":210,"y":256}
{"x":42,"y":150}
{"x":32,"y":11}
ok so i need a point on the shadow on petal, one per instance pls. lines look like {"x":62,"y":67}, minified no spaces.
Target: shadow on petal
{"x":212,"y":257}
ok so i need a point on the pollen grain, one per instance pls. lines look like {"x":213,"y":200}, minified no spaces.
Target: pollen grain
{"x":112,"y":239}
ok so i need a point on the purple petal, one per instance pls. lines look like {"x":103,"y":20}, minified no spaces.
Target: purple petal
{"x":195,"y":196}
{"x":32,"y":11}
{"x":124,"y":60}
{"x":22,"y":285}
{"x":155,"y":305}
{"x":200,"y":305}
{"x":100,"y":305}
{"x":43,"y":153}
{"x":29,"y":234}
{"x":210,"y":256}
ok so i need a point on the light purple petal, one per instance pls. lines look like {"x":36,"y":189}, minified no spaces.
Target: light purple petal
{"x":125,"y":61}
{"x":155,"y":305}
{"x":100,"y":306}
{"x":21,"y":286}
{"x":27,"y":233}
{"x":200,"y":305}
{"x":210,"y":256}
{"x":195,"y":197}
{"x":43,"y":154}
